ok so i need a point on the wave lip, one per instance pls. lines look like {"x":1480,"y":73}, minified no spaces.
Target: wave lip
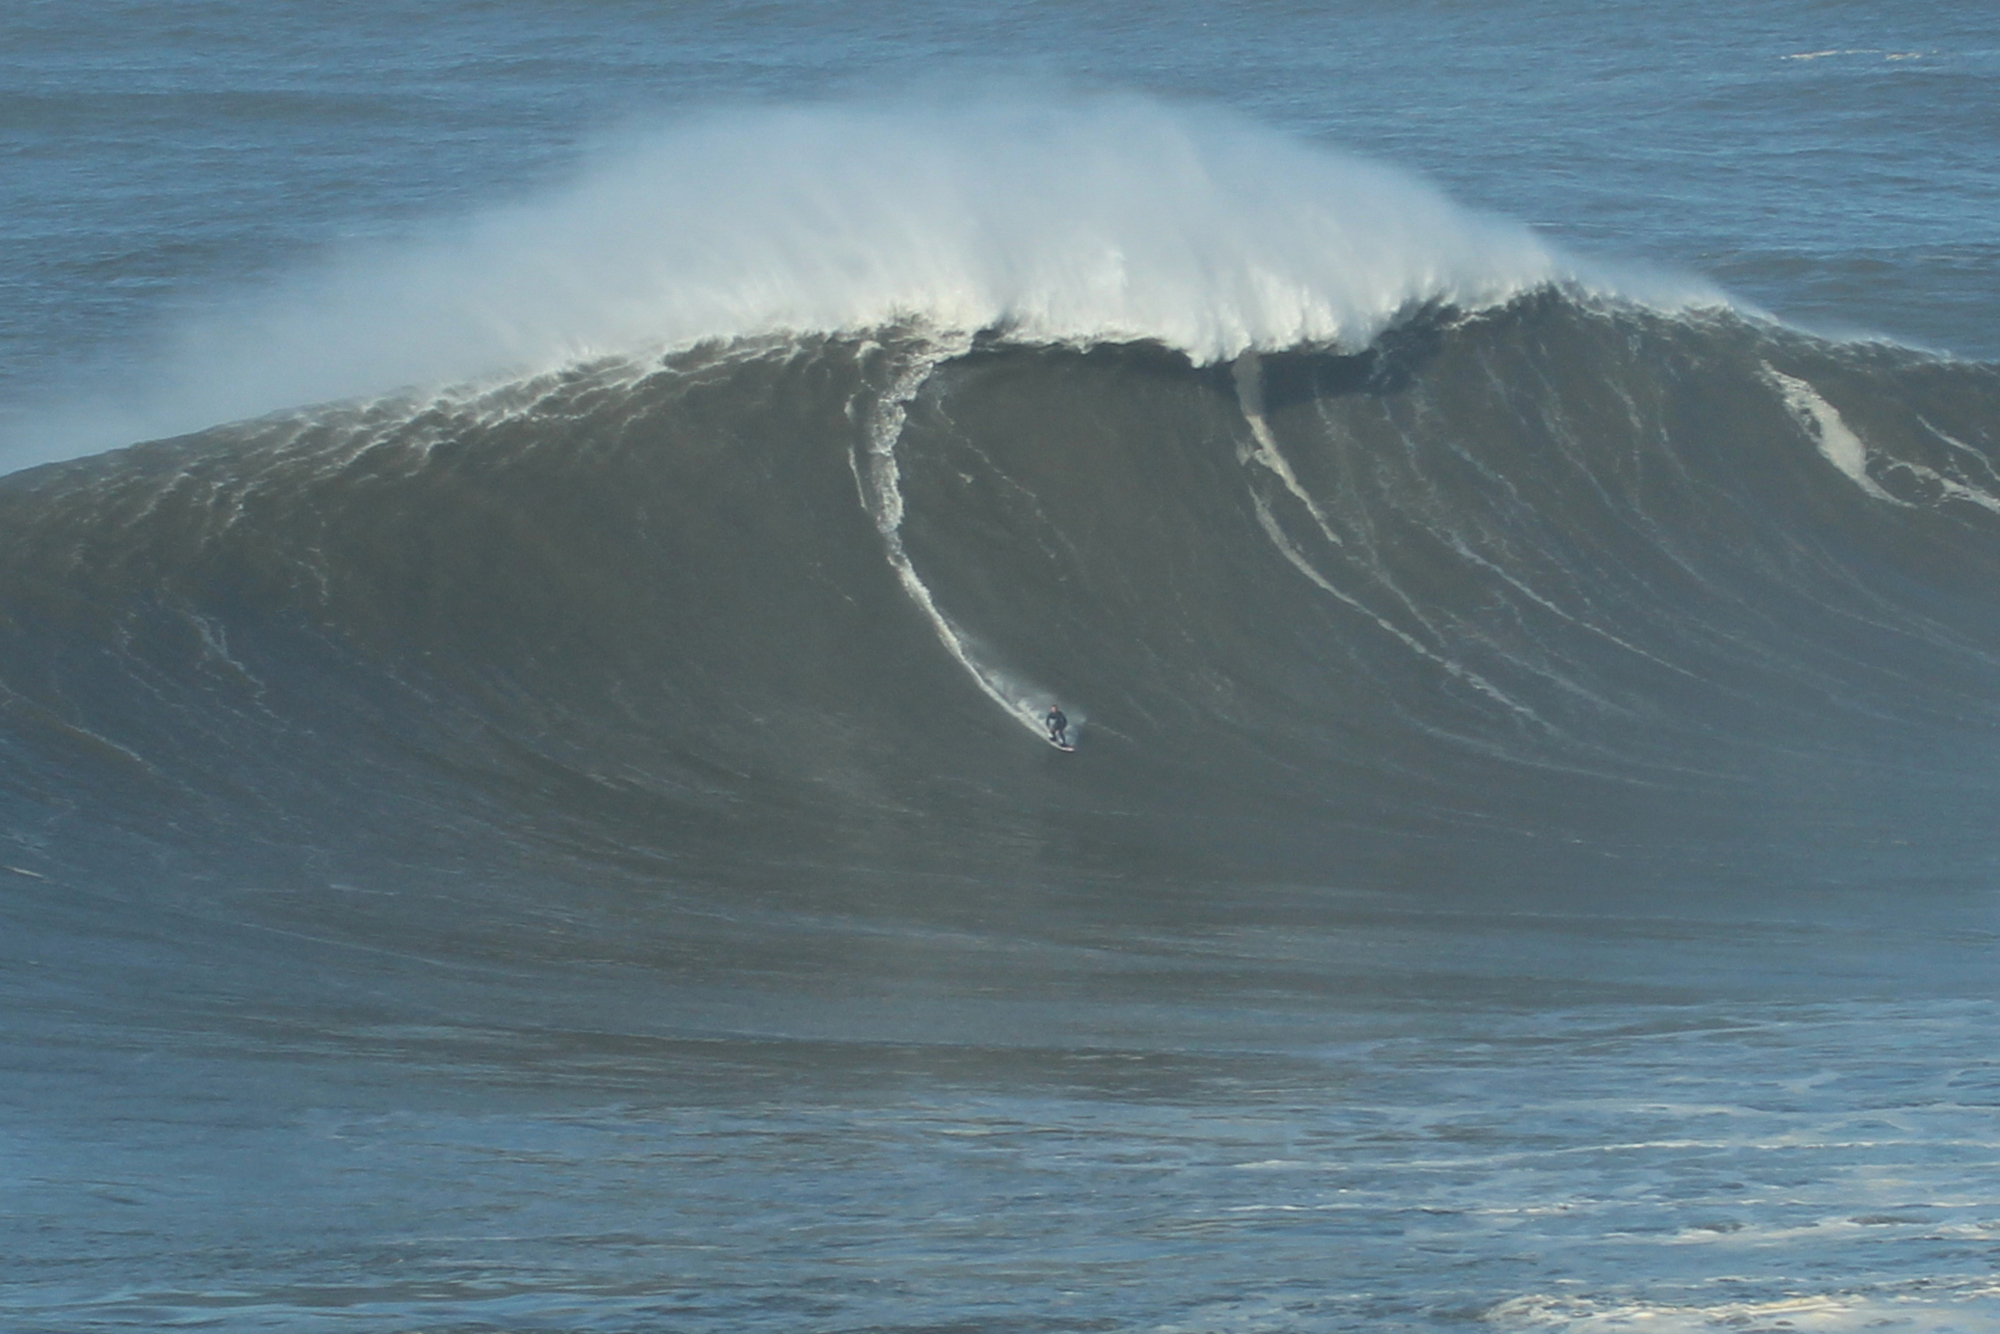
{"x":1060,"y":220}
{"x":1103,"y":219}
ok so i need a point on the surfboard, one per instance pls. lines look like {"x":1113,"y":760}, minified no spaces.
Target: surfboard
{"x":1059,"y":745}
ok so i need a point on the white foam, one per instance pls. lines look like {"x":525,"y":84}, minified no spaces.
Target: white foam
{"x":1059,"y":218}
{"x":1837,"y":442}
{"x":1933,"y":1307}
{"x":878,"y":477}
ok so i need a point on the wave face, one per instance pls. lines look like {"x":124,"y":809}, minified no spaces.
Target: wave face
{"x":1530,"y":803}
{"x":1561,"y":598}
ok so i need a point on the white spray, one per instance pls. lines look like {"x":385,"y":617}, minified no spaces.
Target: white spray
{"x":1053,"y":218}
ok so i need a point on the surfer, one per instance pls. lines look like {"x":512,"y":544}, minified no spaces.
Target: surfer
{"x":1058,"y":727}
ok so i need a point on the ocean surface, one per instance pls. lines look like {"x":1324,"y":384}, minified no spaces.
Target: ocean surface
{"x":536,"y":540}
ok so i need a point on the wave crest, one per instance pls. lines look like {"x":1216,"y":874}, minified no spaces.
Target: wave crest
{"x":1055,"y":220}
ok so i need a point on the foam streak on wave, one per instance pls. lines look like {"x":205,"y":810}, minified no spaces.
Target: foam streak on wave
{"x":879,"y":479}
{"x":1250,"y":400}
{"x":1835,"y":439}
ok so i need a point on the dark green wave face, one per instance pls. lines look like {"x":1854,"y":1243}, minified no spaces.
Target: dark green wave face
{"x":1562,"y":600}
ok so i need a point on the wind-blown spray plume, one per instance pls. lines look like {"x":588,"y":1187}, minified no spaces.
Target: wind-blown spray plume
{"x":1065,"y":220}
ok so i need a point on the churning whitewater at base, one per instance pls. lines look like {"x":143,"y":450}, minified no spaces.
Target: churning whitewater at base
{"x":1527,"y":862}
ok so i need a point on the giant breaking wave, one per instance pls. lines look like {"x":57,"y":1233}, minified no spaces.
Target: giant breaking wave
{"x":1412,"y":566}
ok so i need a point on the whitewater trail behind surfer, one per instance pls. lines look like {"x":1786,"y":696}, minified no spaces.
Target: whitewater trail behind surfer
{"x":878,"y":477}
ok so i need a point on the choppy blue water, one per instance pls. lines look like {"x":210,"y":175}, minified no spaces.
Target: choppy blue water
{"x":498,"y":1113}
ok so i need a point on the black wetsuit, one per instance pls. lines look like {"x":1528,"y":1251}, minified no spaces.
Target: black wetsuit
{"x":1058,"y":727}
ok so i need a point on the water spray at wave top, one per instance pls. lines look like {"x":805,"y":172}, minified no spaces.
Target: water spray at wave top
{"x":1107,"y":220}
{"x":682,"y":660}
